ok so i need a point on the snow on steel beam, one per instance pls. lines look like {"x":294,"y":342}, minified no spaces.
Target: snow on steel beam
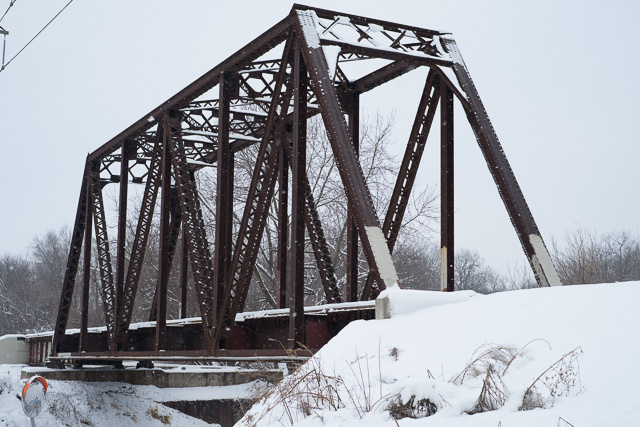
{"x":379,"y":39}
{"x":364,"y":21}
{"x":373,"y":240}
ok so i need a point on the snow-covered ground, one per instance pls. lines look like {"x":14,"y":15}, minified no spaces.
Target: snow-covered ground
{"x":75,"y":403}
{"x":373,"y":368}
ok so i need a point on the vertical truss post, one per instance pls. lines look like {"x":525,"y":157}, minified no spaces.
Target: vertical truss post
{"x":374,"y":243}
{"x":72,"y":261}
{"x":408,"y":168}
{"x":125,"y":154}
{"x":283,"y":226}
{"x":174,"y":234}
{"x":199,"y":254}
{"x":446,"y":190}
{"x":298,"y":167}
{"x":140,"y":239}
{"x":104,"y":254}
{"x":163,"y":259}
{"x":86,"y":274}
{"x":256,"y":209}
{"x":224,"y":198}
{"x":228,"y":224}
{"x":352,"y":230}
{"x":184,"y":267}
{"x":510,"y":192}
{"x":318,"y":241}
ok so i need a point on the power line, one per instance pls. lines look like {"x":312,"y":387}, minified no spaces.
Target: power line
{"x":7,"y":11}
{"x":34,"y":37}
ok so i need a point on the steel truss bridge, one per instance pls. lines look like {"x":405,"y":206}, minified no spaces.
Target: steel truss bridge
{"x":263,"y":96}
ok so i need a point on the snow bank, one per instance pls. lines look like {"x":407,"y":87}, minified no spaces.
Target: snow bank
{"x":393,"y":302}
{"x":421,"y":354}
{"x":76,"y":403}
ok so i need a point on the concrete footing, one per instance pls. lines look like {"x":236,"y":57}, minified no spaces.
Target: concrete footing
{"x":163,"y":378}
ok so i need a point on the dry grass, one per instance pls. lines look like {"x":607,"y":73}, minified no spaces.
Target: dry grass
{"x":155,"y":414}
{"x":492,"y":362}
{"x":557,"y":380}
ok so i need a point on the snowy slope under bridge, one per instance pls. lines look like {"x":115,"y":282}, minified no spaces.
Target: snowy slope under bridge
{"x":418,"y":353}
{"x":375,"y":367}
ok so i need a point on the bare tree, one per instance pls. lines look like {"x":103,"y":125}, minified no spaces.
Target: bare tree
{"x":380,"y":168}
{"x":589,"y":257}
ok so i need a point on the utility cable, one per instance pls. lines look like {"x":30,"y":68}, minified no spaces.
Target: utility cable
{"x":7,"y":11}
{"x":34,"y":37}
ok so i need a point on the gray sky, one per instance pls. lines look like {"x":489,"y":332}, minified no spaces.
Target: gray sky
{"x":558,"y":79}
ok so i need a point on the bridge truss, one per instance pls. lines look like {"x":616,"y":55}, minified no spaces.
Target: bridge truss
{"x":263,"y":96}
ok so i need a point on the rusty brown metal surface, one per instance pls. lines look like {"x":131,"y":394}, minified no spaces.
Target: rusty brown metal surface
{"x":446,"y":190}
{"x":408,"y":169}
{"x":265,"y":102}
{"x":73,"y":259}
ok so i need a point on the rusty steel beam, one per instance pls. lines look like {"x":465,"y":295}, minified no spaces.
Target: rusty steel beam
{"x":244,"y":56}
{"x":224,"y":200}
{"x":127,"y":151}
{"x":104,"y":255}
{"x":86,"y":275}
{"x":297,"y":330}
{"x":184,"y":266}
{"x":140,"y":239}
{"x":317,"y":238}
{"x":256,"y":209}
{"x":163,"y":255}
{"x":316,"y":235}
{"x":73,"y":259}
{"x":352,"y":230}
{"x":174,"y":234}
{"x":510,"y":192}
{"x":363,"y":20}
{"x":359,"y":198}
{"x":382,"y":76}
{"x":446,"y":190}
{"x":319,"y":245}
{"x":283,"y":226}
{"x":199,"y":254}
{"x":408,"y":169}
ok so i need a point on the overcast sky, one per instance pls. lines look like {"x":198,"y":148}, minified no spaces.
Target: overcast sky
{"x":559,"y":80}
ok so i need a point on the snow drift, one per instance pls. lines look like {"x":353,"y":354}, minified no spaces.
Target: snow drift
{"x":541,"y":357}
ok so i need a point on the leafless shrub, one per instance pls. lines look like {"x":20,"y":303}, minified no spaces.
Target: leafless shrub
{"x":492,"y":362}
{"x":484,"y":358}
{"x":308,"y":391}
{"x":311,"y":390}
{"x":61,"y":407}
{"x":412,"y":408}
{"x":557,"y":380}
{"x":155,"y":414}
{"x":493,"y":394}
